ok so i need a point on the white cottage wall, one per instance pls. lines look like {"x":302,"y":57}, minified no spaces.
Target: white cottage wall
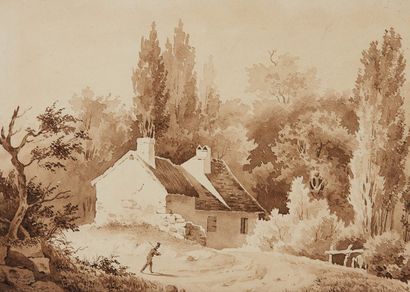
{"x":129,"y":193}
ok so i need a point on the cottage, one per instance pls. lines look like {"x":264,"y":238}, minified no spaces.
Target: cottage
{"x":142,"y":187}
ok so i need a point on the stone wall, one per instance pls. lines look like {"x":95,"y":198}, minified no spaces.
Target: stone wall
{"x":195,"y":233}
{"x":176,"y":225}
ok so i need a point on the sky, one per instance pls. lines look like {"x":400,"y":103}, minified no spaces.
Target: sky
{"x":51,"y":49}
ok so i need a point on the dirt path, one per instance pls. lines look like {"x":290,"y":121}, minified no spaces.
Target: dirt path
{"x":196,"y":268}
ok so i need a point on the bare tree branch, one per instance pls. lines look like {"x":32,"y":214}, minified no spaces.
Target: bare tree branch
{"x":271,"y":53}
{"x":30,"y":133}
{"x":11,"y":124}
{"x":30,"y":162}
{"x":58,"y":196}
{"x":3,"y":136}
{"x":23,"y":113}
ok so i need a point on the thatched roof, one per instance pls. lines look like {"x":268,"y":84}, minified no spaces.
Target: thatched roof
{"x":173,"y":178}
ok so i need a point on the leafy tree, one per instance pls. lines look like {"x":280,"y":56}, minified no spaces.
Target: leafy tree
{"x":53,"y":142}
{"x":110,"y":126}
{"x":282,"y":80}
{"x":207,"y":82}
{"x":289,"y":141}
{"x":179,"y":60}
{"x":318,"y":148}
{"x":210,"y":112}
{"x":366,"y":183}
{"x":382,"y":132}
{"x":43,"y":218}
{"x":149,"y":84}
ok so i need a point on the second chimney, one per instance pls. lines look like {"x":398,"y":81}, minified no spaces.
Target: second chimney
{"x":203,"y":153}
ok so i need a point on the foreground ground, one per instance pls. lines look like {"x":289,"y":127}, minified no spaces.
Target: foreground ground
{"x":195,"y":268}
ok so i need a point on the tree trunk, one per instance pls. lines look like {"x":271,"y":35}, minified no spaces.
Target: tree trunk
{"x":392,"y":217}
{"x":17,"y":219}
{"x":22,"y":198}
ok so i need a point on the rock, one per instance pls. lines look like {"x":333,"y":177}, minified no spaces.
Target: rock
{"x":195,"y":233}
{"x":3,"y":254}
{"x":46,"y":287}
{"x":17,"y":276}
{"x":181,"y":230}
{"x":178,"y":217}
{"x":179,"y":236}
{"x":2,"y":276}
{"x":30,"y":251}
{"x":6,"y":288}
{"x":171,"y":288}
{"x":173,"y":229}
{"x":191,"y":258}
{"x":16,"y":259}
{"x":41,"y":265}
{"x":180,"y":220}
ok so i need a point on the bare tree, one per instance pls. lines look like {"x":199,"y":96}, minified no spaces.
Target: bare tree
{"x":271,"y":54}
{"x":54,"y":141}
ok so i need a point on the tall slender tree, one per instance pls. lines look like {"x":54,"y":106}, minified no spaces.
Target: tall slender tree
{"x":179,"y":59}
{"x":149,"y":83}
{"x":378,"y":168}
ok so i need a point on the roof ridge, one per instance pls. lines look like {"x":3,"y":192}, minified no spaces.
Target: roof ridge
{"x":202,"y":179}
{"x":112,"y":167}
{"x":246,"y":191}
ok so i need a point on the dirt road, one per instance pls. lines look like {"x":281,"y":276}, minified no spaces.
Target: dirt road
{"x":195,"y":268}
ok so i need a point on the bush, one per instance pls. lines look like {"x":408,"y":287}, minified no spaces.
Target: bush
{"x":353,"y":282}
{"x":307,"y":230}
{"x":271,"y":234}
{"x":384,"y":255}
{"x":103,"y":274}
{"x":350,"y":235}
{"x":109,"y":265}
{"x":313,"y":237}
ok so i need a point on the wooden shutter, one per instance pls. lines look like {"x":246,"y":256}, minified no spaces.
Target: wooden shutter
{"x":244,"y":225}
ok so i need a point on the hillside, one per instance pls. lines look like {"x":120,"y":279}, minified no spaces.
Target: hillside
{"x":195,"y":268}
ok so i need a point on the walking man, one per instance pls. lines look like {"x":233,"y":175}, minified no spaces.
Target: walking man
{"x":153,"y":252}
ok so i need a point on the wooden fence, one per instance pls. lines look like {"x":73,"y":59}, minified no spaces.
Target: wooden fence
{"x":358,"y":260}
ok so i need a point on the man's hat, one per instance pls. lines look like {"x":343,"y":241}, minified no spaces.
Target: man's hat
{"x":158,"y":243}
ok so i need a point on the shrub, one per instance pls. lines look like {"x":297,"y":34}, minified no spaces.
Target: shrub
{"x":405,"y":272}
{"x":313,"y":237}
{"x":349,"y":235}
{"x":102,"y":274}
{"x":271,"y":234}
{"x":109,"y":265}
{"x":307,"y":230}
{"x":353,"y":282}
{"x":384,"y":254}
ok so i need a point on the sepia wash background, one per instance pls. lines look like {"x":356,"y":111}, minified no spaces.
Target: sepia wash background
{"x":85,"y":55}
{"x":51,"y":49}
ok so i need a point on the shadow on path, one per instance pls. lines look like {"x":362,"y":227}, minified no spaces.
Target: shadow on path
{"x":161,"y":274}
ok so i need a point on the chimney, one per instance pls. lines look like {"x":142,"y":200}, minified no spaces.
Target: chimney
{"x":146,"y":150}
{"x":203,"y":154}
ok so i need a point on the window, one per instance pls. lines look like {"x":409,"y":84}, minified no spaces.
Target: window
{"x":244,"y":225}
{"x":211,"y":224}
